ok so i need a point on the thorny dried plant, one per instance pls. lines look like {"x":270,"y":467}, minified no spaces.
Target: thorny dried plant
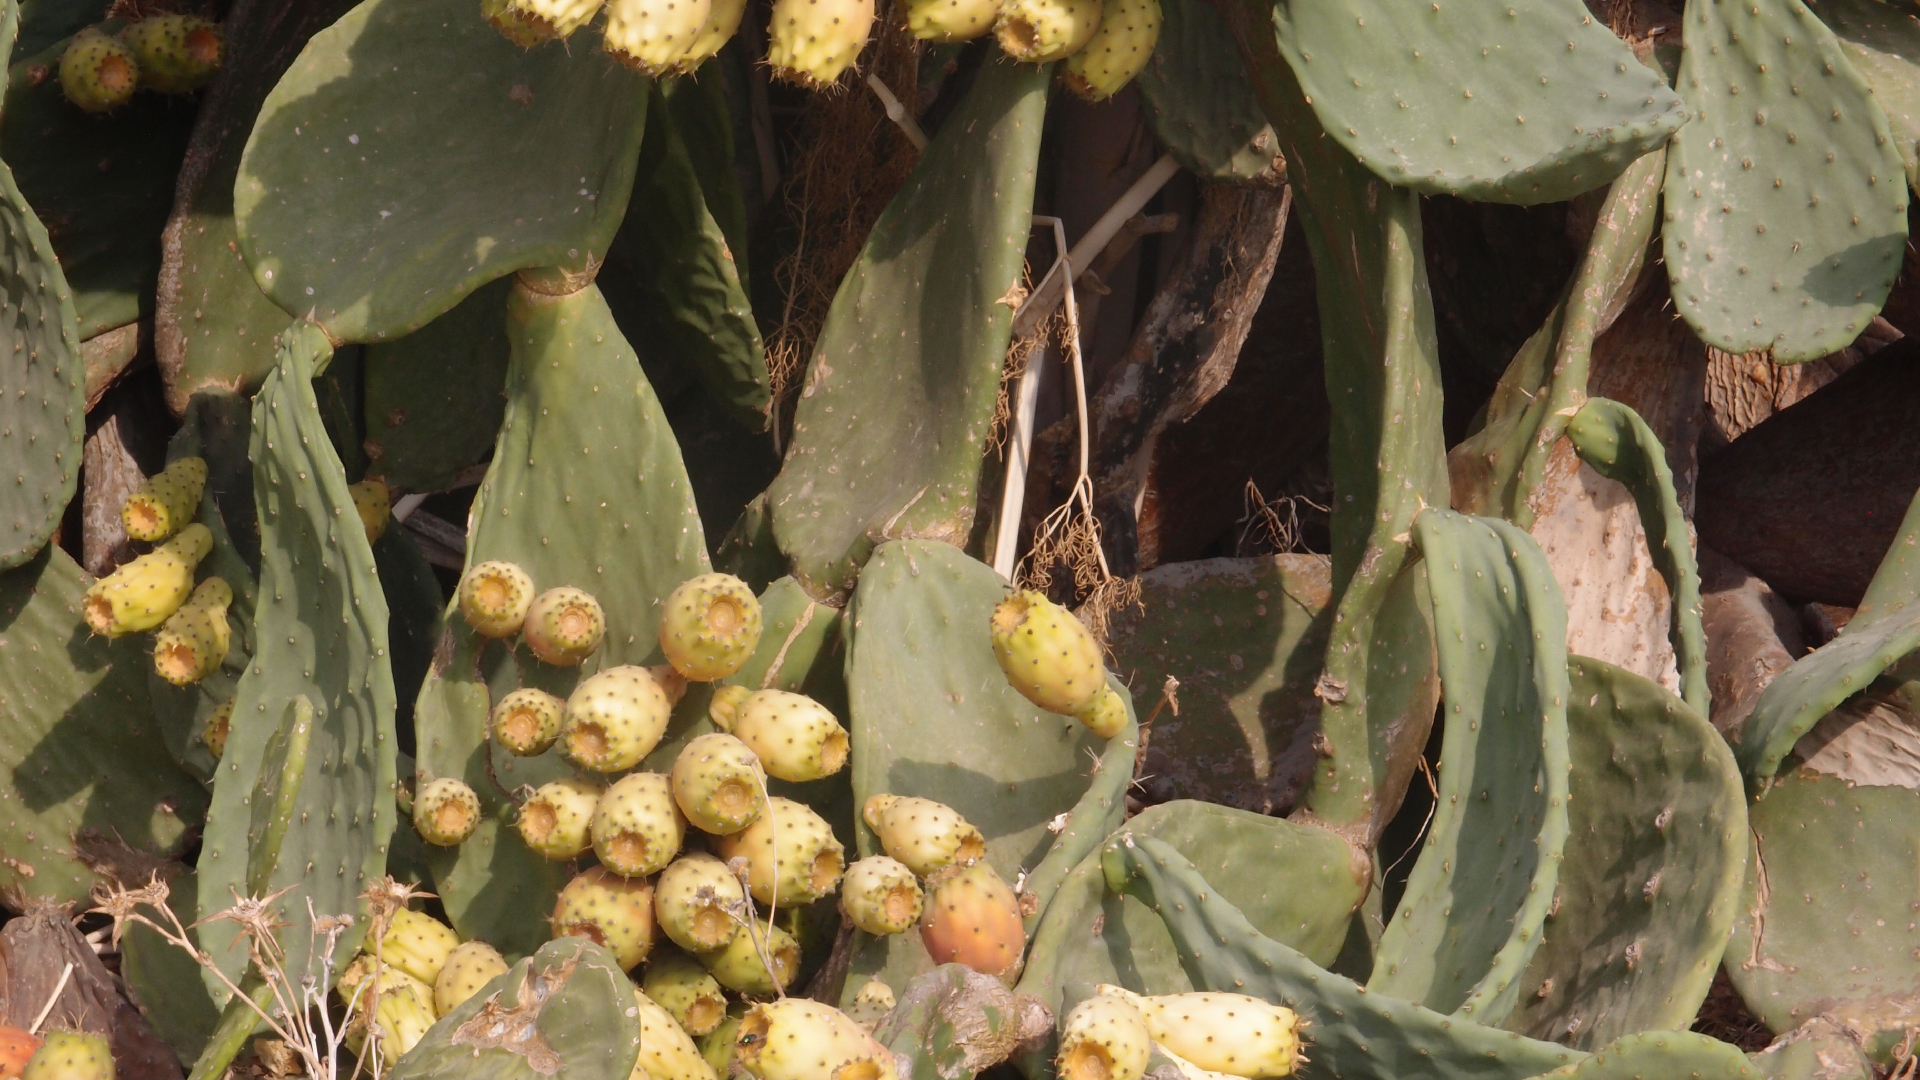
{"x":1273,"y":523}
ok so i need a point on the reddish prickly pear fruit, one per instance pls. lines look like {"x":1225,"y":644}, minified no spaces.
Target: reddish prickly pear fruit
{"x":1047,"y":655}
{"x":1225,"y":1033}
{"x":795,"y":737}
{"x":16,"y":1049}
{"x":166,"y":502}
{"x":494,"y":598}
{"x":193,"y":641}
{"x":689,"y":993}
{"x":177,"y":54}
{"x":806,"y":865}
{"x":468,"y":968}
{"x":810,"y":42}
{"x":214,"y":733}
{"x":797,"y":1039}
{"x":143,"y":593}
{"x":515,"y":25}
{"x":1104,"y":1038}
{"x":881,"y":895}
{"x":670,"y":680}
{"x":695,"y":901}
{"x":1118,"y":50}
{"x":70,"y":1055}
{"x":1107,"y":716}
{"x":557,"y":819}
{"x":871,"y":1004}
{"x":445,"y":811}
{"x":97,"y":73}
{"x":527,"y":721}
{"x":718,"y":784}
{"x":925,"y":835}
{"x":373,"y":502}
{"x":611,"y":911}
{"x":950,"y":20}
{"x":710,"y":626}
{"x":564,"y":626}
{"x":613,"y":719}
{"x":739,"y":966}
{"x":724,"y":707}
{"x":418,"y":944}
{"x":652,"y":36}
{"x":972,"y":917}
{"x":637,"y":829}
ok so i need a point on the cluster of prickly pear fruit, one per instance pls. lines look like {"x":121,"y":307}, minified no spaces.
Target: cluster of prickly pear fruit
{"x":417,"y":971}
{"x":966,"y":913}
{"x":171,"y":54}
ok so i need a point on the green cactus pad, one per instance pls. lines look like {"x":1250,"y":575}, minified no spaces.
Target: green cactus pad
{"x":80,"y":750}
{"x":165,"y":983}
{"x":1786,"y":196}
{"x":503,"y":159}
{"x":1655,"y":859}
{"x":1883,"y":45}
{"x":1199,"y":101}
{"x":799,"y":640}
{"x":1619,"y":445}
{"x":1660,"y":1053}
{"x":1822,"y":1051}
{"x":954,"y":1021}
{"x":705,"y":121}
{"x":320,"y":633}
{"x":1098,"y":813}
{"x":899,"y":394}
{"x":433,"y":399}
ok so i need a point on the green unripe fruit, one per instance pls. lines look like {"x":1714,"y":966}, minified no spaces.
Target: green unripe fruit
{"x":143,"y":593}
{"x":794,"y":736}
{"x":214,"y":734}
{"x":515,"y":25}
{"x":494,"y":598}
{"x":797,"y":1039}
{"x":881,"y":896}
{"x":637,"y":829}
{"x":527,"y":721}
{"x":806,"y":865}
{"x":871,"y":1004}
{"x":166,"y":502}
{"x":951,"y":20}
{"x":738,"y":967}
{"x":418,"y":944}
{"x":402,"y":1009}
{"x":718,"y":784}
{"x":611,"y":911}
{"x":1047,"y":655}
{"x":710,"y":624}
{"x":445,"y":811}
{"x":689,"y":993}
{"x":1107,"y":716}
{"x":373,"y":502}
{"x":177,"y":54}
{"x":556,"y":821}
{"x":723,"y":708}
{"x":613,"y":719}
{"x":695,"y":901}
{"x":97,"y":73}
{"x":925,"y":835}
{"x":723,"y":21}
{"x":972,"y":917}
{"x":1104,"y":1038}
{"x":564,"y":626}
{"x":717,"y":1046}
{"x":667,"y":1052}
{"x":468,"y":969}
{"x":1037,"y":31}
{"x":1226,"y":1033}
{"x":1118,"y":51}
{"x":810,"y":42}
{"x":555,"y":18}
{"x":193,"y":641}
{"x":70,"y":1055}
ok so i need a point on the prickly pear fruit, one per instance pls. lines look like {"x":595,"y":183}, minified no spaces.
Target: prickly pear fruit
{"x":972,"y":917}
{"x":670,"y":680}
{"x":193,"y":641}
{"x":214,"y":734}
{"x":515,"y":25}
{"x":555,"y":18}
{"x":686,"y":990}
{"x":651,"y":36}
{"x":177,"y":54}
{"x":1228,"y":1033}
{"x":717,"y":1046}
{"x":613,"y":719}
{"x":613,"y":912}
{"x":797,"y":1039}
{"x":723,"y":21}
{"x":1107,"y":716}
{"x":166,"y":501}
{"x":881,"y":895}
{"x":527,"y":721}
{"x":402,"y":1012}
{"x":810,"y":42}
{"x":871,"y":1004}
{"x":718,"y":783}
{"x":1118,"y":50}
{"x":1038,"y":31}
{"x":70,"y":1055}
{"x":97,"y":73}
{"x":667,"y":1052}
{"x":418,"y":944}
{"x":637,"y":829}
{"x":468,"y":968}
{"x":1104,"y":1038}
{"x":738,"y":967}
{"x":564,"y":626}
{"x":807,"y":865}
{"x":795,"y":737}
{"x":373,"y":502}
{"x":445,"y":811}
{"x":951,"y":20}
{"x":725,"y":704}
{"x":17,"y":1047}
{"x":710,"y":626}
{"x":693,"y":900}
{"x":141,"y":594}
{"x":557,"y":819}
{"x":494,"y":598}
{"x":1047,"y":655}
{"x":925,"y":835}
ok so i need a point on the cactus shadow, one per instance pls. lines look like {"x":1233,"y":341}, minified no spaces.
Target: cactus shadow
{"x":1826,"y":282}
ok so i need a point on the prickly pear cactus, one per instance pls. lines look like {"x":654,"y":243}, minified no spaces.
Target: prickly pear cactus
{"x":433,"y":399}
{"x":1202,"y":110}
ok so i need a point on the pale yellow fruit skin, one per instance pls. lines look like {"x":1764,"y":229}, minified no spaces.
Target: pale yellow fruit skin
{"x":881,"y":896}
{"x":795,"y":737}
{"x":925,"y":835}
{"x":1119,"y":50}
{"x":556,"y":18}
{"x":667,"y":1052}
{"x":1045,"y":652}
{"x":1107,"y":716}
{"x":1104,"y":1038}
{"x":797,"y":1039}
{"x":418,"y":945}
{"x":468,"y":968}
{"x":951,"y":20}
{"x":403,"y":1013}
{"x":683,"y":909}
{"x":811,"y":42}
{"x":1038,"y":31}
{"x":723,"y":21}
{"x":145,"y":592}
{"x":1227,"y":1033}
{"x":652,"y":36}
{"x":739,"y":967}
{"x":805,"y":866}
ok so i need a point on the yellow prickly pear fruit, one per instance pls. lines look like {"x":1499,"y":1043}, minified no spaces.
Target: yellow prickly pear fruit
{"x":637,"y":829}
{"x":97,"y":73}
{"x":810,"y":42}
{"x":1046,"y":654}
{"x":177,"y":54}
{"x":925,"y":835}
{"x":651,"y":37}
{"x":468,"y":968}
{"x":611,"y":911}
{"x":495,"y":597}
{"x":724,"y":707}
{"x":718,"y":783}
{"x":717,"y":1046}
{"x":418,"y":944}
{"x":214,"y":733}
{"x":553,"y":18}
{"x":614,"y":718}
{"x":723,"y":21}
{"x":792,"y":855}
{"x":1104,"y":1038}
{"x":143,"y":593}
{"x":445,"y":811}
{"x":951,"y":20}
{"x":194,"y":639}
{"x":738,"y":966}
{"x":694,"y":901}
{"x":514,"y":25}
{"x":1041,"y":30}
{"x":710,"y":626}
{"x":70,"y":1055}
{"x":797,"y":1039}
{"x":795,"y":737}
{"x":972,"y":917}
{"x":881,"y":895}
{"x":688,"y":992}
{"x":670,"y":680}
{"x":402,"y":1012}
{"x":527,"y":721}
{"x":1118,"y":51}
{"x":167,"y":500}
{"x":1107,"y":716}
{"x":667,"y":1052}
{"x":1227,"y":1033}
{"x":564,"y":626}
{"x":871,"y":1004}
{"x":373,"y":502}
{"x":556,"y":821}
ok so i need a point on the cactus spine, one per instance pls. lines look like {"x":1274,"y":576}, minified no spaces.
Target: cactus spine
{"x":167,"y":501}
{"x":445,"y":811}
{"x":495,"y":597}
{"x":718,"y":784}
{"x":881,"y":896}
{"x":652,"y":37}
{"x":637,"y":829}
{"x":613,"y":719}
{"x":795,"y":737}
{"x":143,"y":593}
{"x":711,"y":624}
{"x":557,"y":819}
{"x":806,"y":865}
{"x":611,"y":911}
{"x":193,"y":642}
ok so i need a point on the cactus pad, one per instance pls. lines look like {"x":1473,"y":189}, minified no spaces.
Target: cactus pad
{"x":1660,"y":1053}
{"x":1882,"y":43}
{"x":433,"y":399}
{"x":1199,"y":102}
